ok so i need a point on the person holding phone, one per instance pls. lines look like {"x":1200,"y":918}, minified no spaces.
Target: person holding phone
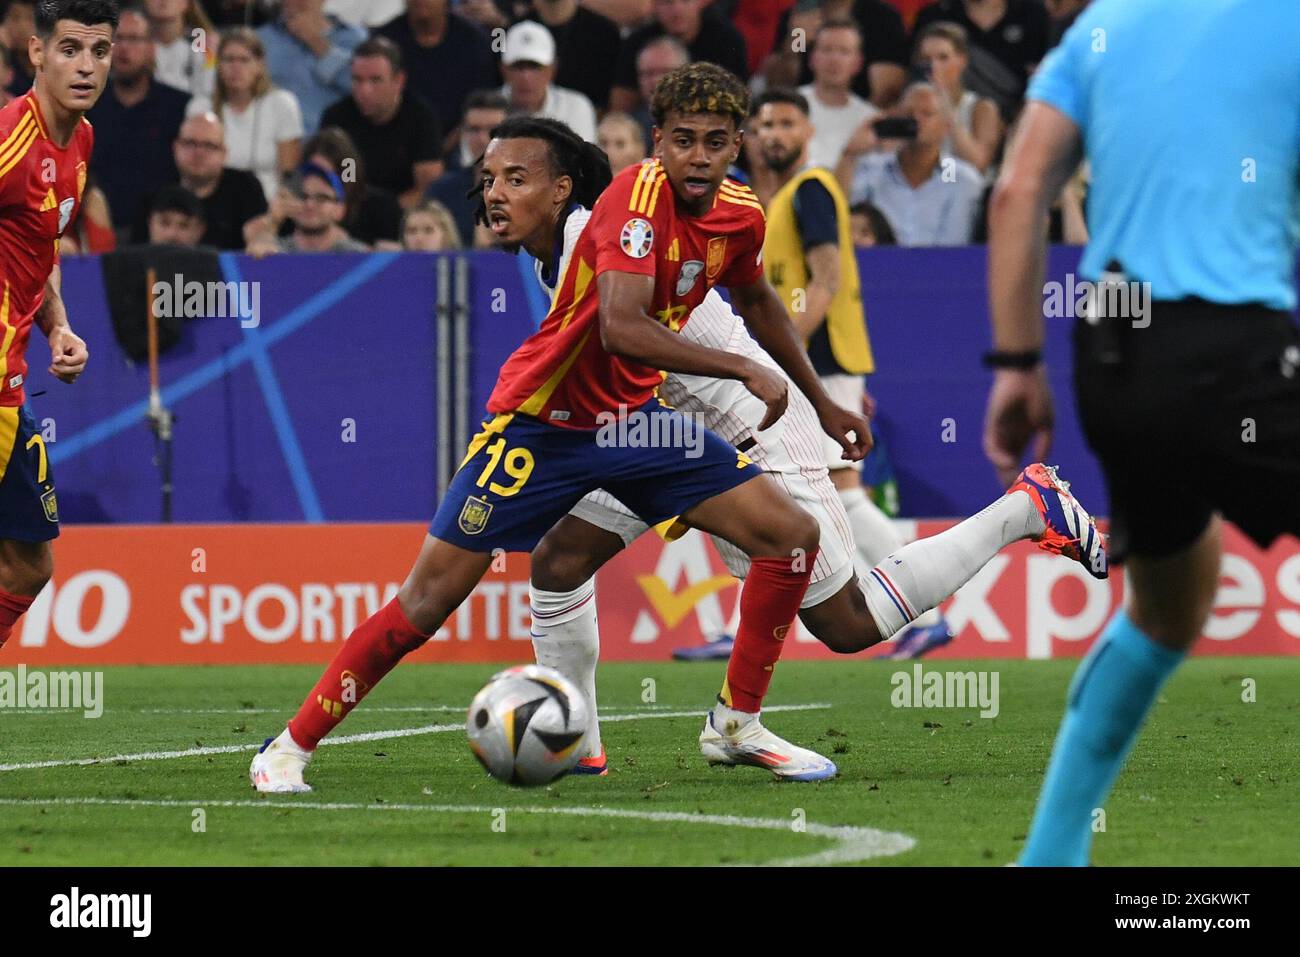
{"x":929,"y":199}
{"x":975,"y":133}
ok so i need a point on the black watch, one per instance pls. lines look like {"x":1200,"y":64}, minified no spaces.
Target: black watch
{"x":1013,"y":360}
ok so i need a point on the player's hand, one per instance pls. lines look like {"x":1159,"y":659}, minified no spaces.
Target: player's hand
{"x":864,"y":139}
{"x":770,"y":386}
{"x":284,"y":206}
{"x":850,"y":429}
{"x":1019,"y":411}
{"x":69,"y":353}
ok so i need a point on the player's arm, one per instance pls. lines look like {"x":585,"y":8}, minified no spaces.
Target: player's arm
{"x":819,"y":233}
{"x":67,"y":349}
{"x":823,"y":283}
{"x":628,"y":330}
{"x":1046,"y":150}
{"x":764,"y":314}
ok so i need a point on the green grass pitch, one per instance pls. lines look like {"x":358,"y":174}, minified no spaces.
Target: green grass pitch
{"x":1212,"y":780}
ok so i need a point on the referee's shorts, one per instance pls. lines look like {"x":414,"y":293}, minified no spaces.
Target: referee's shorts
{"x":1197,"y":413}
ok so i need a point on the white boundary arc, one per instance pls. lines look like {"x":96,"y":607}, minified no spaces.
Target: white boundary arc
{"x":852,"y":844}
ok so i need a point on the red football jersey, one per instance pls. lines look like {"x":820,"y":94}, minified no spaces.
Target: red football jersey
{"x":40,"y":188}
{"x":561,"y":374}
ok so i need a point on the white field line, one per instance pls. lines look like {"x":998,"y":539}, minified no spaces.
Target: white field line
{"x":350,"y":739}
{"x":852,"y":844}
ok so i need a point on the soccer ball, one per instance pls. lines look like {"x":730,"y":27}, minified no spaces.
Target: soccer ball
{"x":527,"y":725}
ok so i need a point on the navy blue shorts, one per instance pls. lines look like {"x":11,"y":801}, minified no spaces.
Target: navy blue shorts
{"x":521,"y":476}
{"x":28,"y":509}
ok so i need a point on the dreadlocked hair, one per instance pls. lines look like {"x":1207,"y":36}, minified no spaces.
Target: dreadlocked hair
{"x":700,"y":88}
{"x":570,"y":155}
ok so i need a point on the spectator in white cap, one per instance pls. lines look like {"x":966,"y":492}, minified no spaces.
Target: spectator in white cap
{"x":528,"y":63}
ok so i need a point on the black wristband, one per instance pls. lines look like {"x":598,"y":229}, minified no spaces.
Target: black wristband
{"x":1013,"y":360}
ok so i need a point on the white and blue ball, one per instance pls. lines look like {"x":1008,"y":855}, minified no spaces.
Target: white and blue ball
{"x":527,"y":725}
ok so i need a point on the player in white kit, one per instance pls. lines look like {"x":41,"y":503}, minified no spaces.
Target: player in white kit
{"x":843,"y":610}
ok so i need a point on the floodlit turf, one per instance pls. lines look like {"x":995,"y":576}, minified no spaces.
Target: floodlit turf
{"x":1212,"y":781}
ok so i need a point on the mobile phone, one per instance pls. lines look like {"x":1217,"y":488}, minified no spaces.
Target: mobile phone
{"x":895,"y":128}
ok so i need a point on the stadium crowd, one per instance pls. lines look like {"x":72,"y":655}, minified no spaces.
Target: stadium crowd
{"x":346,"y":125}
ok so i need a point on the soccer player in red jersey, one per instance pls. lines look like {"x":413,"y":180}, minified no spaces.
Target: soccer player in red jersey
{"x":45,"y":144}
{"x":659,"y":238}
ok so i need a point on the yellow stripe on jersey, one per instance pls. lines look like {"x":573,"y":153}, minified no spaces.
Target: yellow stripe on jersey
{"x":17,"y":133}
{"x":534,"y":403}
{"x":740,"y":189}
{"x":36,"y":115}
{"x":738,"y":197}
{"x":495,"y":427}
{"x":740,"y":202}
{"x":654,"y":196}
{"x":643,"y":176}
{"x":21,"y":151}
{"x":650,"y":190}
{"x":8,"y":434}
{"x":13,"y":149}
{"x":580,"y":285}
{"x":7,"y":333}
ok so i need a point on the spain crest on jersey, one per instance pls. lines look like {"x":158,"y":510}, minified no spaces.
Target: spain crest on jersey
{"x":474,"y":515}
{"x":715,"y":256}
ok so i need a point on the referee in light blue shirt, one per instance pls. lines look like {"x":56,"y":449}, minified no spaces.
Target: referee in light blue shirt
{"x":1189,"y":114}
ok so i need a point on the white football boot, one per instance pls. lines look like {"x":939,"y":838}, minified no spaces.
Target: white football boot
{"x":751,"y":743}
{"x":278,"y":765}
{"x":1070,"y":530}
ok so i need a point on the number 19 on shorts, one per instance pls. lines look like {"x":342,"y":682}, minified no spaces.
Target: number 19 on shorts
{"x":517,"y":464}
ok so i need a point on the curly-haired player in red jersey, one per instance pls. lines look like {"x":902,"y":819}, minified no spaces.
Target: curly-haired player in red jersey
{"x":45,"y":144}
{"x":659,"y":238}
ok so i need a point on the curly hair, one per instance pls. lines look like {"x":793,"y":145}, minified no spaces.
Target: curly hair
{"x":700,"y":88}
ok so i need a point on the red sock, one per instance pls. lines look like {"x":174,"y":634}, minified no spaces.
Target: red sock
{"x":768,"y":604}
{"x":370,"y":652}
{"x":11,"y":609}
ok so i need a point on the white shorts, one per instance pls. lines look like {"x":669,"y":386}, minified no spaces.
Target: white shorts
{"x":790,"y":451}
{"x":845,"y":391}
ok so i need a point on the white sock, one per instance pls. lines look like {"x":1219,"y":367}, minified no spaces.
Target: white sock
{"x":566,"y":638}
{"x":919,"y":576}
{"x":729,"y":720}
{"x":876,"y":537}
